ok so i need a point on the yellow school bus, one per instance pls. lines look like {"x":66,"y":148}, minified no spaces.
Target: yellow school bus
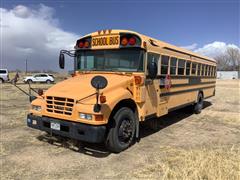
{"x":121,"y":78}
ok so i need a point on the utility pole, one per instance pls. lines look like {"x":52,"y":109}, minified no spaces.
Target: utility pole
{"x":26,"y":66}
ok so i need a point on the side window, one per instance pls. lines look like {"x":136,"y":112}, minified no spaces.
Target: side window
{"x":152,"y":57}
{"x":173,"y":65}
{"x":194,"y":65}
{"x":210,"y":71}
{"x":206,"y":70}
{"x":43,"y":75}
{"x":199,"y":69}
{"x":3,"y":71}
{"x":164,"y":64}
{"x":188,"y":68}
{"x":203,"y":69}
{"x":181,"y":66}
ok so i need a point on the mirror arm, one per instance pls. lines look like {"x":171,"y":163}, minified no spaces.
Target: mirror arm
{"x":97,"y":107}
{"x":70,"y":53}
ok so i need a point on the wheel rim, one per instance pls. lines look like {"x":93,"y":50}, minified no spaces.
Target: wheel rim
{"x":125,"y":131}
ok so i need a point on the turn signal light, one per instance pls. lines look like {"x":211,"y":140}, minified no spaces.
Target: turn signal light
{"x":103,"y":99}
{"x":98,"y":117}
{"x":138,"y":80}
{"x":40,"y":92}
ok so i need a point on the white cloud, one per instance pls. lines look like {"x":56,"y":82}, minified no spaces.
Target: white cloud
{"x":212,"y":49}
{"x":190,"y":47}
{"x":32,"y":34}
{"x":21,"y":11}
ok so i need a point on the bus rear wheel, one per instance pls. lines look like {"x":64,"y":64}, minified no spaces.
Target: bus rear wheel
{"x":122,"y":131}
{"x":197,"y":108}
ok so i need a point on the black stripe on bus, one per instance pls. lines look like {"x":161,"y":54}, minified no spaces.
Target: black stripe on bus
{"x":187,"y":84}
{"x":181,"y":77}
{"x":154,"y":115}
{"x":180,"y":106}
{"x":183,"y":91}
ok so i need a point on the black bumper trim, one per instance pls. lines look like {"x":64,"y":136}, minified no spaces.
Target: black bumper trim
{"x":73,"y":130}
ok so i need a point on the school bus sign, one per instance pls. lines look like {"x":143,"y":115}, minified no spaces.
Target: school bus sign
{"x":121,"y":79}
{"x":105,"y":41}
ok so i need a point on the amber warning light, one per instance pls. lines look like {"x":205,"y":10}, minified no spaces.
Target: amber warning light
{"x":138,"y":80}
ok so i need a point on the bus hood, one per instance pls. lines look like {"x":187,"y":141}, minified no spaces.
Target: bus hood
{"x":79,"y":87}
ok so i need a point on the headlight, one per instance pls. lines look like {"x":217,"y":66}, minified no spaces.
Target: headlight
{"x":36,"y":108}
{"x":85,"y":116}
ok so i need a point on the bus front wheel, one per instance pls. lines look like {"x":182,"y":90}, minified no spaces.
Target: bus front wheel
{"x":122,"y":131}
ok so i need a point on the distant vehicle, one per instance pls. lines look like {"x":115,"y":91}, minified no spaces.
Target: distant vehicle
{"x":51,"y":75}
{"x":42,"y":77}
{"x":4,"y":77}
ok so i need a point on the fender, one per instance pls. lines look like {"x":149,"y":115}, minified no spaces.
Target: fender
{"x":123,"y":94}
{"x":113,"y":98}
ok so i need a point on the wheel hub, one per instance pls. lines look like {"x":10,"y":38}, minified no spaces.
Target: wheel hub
{"x":125,"y":131}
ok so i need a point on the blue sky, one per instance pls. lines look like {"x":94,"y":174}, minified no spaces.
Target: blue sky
{"x":192,"y":24}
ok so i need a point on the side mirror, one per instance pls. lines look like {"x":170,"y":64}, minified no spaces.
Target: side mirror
{"x":61,"y":61}
{"x":152,"y":70}
{"x":98,"y":82}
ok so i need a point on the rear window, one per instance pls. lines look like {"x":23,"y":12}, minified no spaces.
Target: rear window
{"x":3,"y":71}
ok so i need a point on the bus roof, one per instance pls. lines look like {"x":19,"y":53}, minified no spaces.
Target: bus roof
{"x":150,"y":40}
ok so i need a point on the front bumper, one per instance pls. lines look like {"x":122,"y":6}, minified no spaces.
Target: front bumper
{"x":73,"y":130}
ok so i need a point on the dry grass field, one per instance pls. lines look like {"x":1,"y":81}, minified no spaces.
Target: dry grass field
{"x":186,"y":146}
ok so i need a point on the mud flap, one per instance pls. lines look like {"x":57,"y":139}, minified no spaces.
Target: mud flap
{"x":137,"y":128}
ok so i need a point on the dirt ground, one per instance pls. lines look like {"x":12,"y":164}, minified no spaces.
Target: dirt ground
{"x":187,"y":146}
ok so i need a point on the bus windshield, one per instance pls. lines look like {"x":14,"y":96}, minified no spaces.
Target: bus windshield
{"x":123,"y":60}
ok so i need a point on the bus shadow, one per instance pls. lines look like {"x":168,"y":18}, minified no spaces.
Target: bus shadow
{"x":92,"y":149}
{"x":167,"y":120}
{"x":99,"y":150}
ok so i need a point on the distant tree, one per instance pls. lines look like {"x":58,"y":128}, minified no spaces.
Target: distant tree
{"x":234,"y":57}
{"x":229,"y":60}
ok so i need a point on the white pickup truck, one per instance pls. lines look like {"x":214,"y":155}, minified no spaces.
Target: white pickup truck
{"x":41,"y":77}
{"x":4,"y":77}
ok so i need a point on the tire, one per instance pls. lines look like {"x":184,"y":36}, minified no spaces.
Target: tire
{"x":197,"y":107}
{"x":48,"y":81}
{"x":122,"y":130}
{"x":29,"y":81}
{"x":1,"y":81}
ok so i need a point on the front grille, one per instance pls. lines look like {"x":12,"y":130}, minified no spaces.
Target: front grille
{"x":60,"y":105}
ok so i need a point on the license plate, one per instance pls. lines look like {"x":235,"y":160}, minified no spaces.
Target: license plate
{"x":105,"y":41}
{"x":55,"y":126}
